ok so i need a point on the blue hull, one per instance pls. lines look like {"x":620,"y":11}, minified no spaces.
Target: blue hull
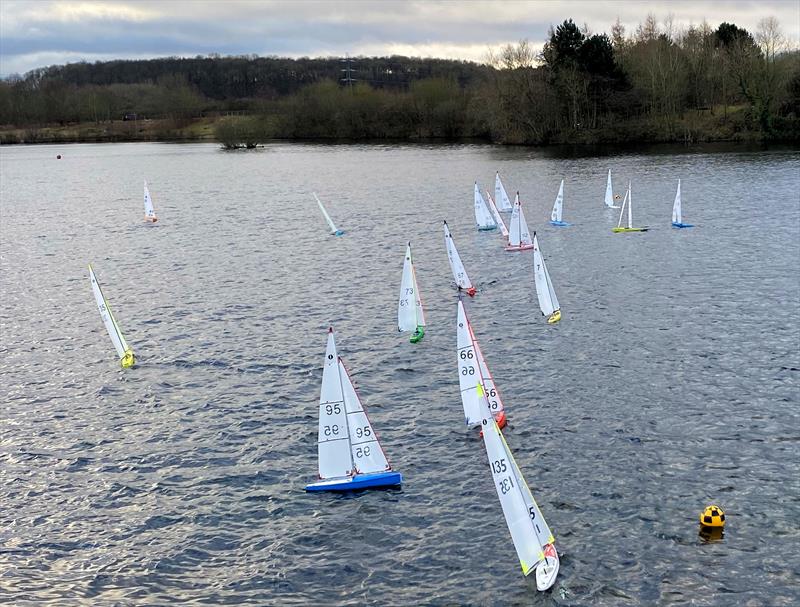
{"x":481,"y":229}
{"x":682,"y":225}
{"x":560,"y":224}
{"x":357,"y":482}
{"x":338,"y":233}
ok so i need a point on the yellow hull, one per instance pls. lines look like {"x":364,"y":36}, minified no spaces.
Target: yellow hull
{"x":127,"y":360}
{"x":644,"y":229}
{"x":554,"y":317}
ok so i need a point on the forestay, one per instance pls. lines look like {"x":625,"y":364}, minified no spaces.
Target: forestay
{"x":519,"y":508}
{"x":548,"y":302}
{"x":500,"y":196}
{"x":483,"y":217}
{"x":149,"y":210}
{"x":459,"y":273}
{"x":558,"y":204}
{"x":333,"y":444}
{"x":410,"y":313}
{"x":676,"y":206}
{"x":366,"y":451}
{"x":120,"y":345}
{"x":627,"y":202}
{"x":496,"y":214}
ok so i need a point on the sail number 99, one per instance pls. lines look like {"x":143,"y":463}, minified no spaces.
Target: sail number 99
{"x":465,"y":354}
{"x":468,"y":370}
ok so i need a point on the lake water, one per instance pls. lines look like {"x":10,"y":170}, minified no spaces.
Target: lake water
{"x":671,"y":382}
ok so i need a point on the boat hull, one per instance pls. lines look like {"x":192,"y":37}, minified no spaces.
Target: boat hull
{"x":560,"y":224}
{"x":675,"y":224}
{"x":338,"y":233}
{"x":522,"y":247}
{"x":128,"y":359}
{"x":358,"y":482}
{"x":547,"y":570}
{"x":150,"y":219}
{"x":554,"y":317}
{"x":617,"y":230}
{"x":486,"y":228}
{"x":418,"y":335}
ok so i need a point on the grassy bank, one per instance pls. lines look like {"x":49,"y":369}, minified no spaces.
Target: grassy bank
{"x":719,"y":124}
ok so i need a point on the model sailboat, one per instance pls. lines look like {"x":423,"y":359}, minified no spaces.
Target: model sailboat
{"x":126,"y":356}
{"x":459,"y":273}
{"x":548,"y":302}
{"x":500,"y":196}
{"x":473,"y":371}
{"x":532,"y":538}
{"x":483,"y":217}
{"x":519,"y":238}
{"x":610,"y":193}
{"x":149,"y":210}
{"x":677,"y":218}
{"x":496,"y":214}
{"x":410,"y":315}
{"x":334,"y":230}
{"x":350,"y":456}
{"x":628,"y":202}
{"x":558,"y":207}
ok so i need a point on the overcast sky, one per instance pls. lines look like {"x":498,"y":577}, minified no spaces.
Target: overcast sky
{"x":37,"y":33}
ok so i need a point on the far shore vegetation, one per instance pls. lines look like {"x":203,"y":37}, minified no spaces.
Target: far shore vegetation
{"x":655,"y":84}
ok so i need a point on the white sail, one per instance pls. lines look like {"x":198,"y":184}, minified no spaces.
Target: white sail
{"x":676,"y":206}
{"x":492,"y":393}
{"x":548,"y":302}
{"x":500,"y":195}
{"x":609,"y":192}
{"x":332,"y":225}
{"x":409,"y":307}
{"x":120,"y":345}
{"x":630,"y":206}
{"x":149,"y":210}
{"x":518,"y":234}
{"x":557,"y":205}
{"x":496,"y":214}
{"x":469,"y":374}
{"x":512,"y":491}
{"x":622,"y":208}
{"x":459,"y":273}
{"x":366,"y":451}
{"x":483,"y":217}
{"x":417,"y":297}
{"x":333,"y":443}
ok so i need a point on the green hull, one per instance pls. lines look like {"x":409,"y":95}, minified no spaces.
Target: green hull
{"x":418,"y":335}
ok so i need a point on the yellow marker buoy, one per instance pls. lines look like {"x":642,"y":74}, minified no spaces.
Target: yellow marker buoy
{"x":712,"y":516}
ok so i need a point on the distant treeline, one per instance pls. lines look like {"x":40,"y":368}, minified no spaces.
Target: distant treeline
{"x":655,"y":84}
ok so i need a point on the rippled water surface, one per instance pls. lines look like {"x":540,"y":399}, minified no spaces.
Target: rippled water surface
{"x":670,"y":383}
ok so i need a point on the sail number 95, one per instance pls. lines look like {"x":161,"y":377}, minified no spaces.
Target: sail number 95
{"x":333,"y":409}
{"x":362,"y":452}
{"x":362,"y":432}
{"x":328,"y":430}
